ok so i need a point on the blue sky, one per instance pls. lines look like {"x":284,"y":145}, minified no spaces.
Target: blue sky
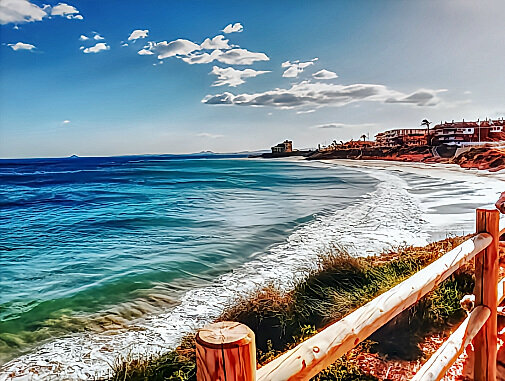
{"x":309,"y":71}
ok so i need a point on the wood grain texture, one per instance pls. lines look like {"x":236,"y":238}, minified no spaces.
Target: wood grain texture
{"x":312,"y":356}
{"x":486,"y":294}
{"x":501,"y":290}
{"x":434,"y":369}
{"x":225,"y":351}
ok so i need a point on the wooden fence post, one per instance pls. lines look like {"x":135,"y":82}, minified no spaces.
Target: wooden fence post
{"x":225,"y":351}
{"x":486,"y":280}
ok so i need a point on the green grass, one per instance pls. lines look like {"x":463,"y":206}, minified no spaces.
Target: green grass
{"x":340,"y":284}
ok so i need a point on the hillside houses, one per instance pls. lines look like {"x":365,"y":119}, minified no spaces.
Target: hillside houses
{"x":457,"y":133}
{"x":450,"y":133}
{"x":402,"y":136}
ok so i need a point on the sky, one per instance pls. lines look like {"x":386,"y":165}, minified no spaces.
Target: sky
{"x":100,"y":78}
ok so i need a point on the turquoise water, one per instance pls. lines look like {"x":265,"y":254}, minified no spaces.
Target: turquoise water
{"x":92,"y":243}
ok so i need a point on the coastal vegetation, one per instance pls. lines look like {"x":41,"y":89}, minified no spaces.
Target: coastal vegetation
{"x":340,"y":284}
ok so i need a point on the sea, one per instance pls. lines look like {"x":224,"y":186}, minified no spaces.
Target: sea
{"x":104,"y":258}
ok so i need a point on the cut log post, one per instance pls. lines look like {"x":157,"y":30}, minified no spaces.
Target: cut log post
{"x":486,"y":294}
{"x":225,"y":351}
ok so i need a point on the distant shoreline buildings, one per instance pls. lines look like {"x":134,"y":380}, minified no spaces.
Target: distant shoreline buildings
{"x":469,"y":132}
{"x":447,"y":133}
{"x":452,"y":133}
{"x":284,"y":147}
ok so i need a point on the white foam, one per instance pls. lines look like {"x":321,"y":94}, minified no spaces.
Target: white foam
{"x":388,"y":215}
{"x":462,"y":189}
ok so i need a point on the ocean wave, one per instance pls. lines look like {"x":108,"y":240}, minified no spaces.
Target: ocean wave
{"x":39,"y":172}
{"x":387,"y":216}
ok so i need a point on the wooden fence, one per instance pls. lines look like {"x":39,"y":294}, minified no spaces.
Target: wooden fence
{"x":226,"y":350}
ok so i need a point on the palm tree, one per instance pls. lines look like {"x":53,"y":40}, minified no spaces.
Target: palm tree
{"x":427,"y":123}
{"x":363,"y":137}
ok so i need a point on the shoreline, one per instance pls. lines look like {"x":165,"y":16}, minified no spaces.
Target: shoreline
{"x":391,"y":183}
{"x":482,"y":190}
{"x":487,"y":157}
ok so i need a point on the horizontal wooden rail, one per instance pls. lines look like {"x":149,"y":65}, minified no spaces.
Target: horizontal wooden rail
{"x":434,"y":369}
{"x":312,"y":356}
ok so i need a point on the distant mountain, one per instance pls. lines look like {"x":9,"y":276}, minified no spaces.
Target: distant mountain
{"x":253,"y":152}
{"x":228,"y":153}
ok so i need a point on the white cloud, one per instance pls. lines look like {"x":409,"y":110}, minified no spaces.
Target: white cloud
{"x":231,"y":28}
{"x":202,"y":58}
{"x":124,"y":44}
{"x":65,"y":10}
{"x":343,"y":125}
{"x":193,"y":53}
{"x":97,"y":48}
{"x":236,"y":56}
{"x":138,"y":33}
{"x":239,"y":56}
{"x":209,"y":135}
{"x":307,"y":93}
{"x":425,"y":97}
{"x":325,"y":74}
{"x":232,"y":77}
{"x":217,"y":42}
{"x":329,"y":126}
{"x":83,"y":38}
{"x":21,"y":46}
{"x":66,"y":121}
{"x":98,"y":37}
{"x":306,"y":111}
{"x":145,"y":52}
{"x":81,"y":47}
{"x":173,"y":48}
{"x":296,"y":67}
{"x":19,"y":11}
